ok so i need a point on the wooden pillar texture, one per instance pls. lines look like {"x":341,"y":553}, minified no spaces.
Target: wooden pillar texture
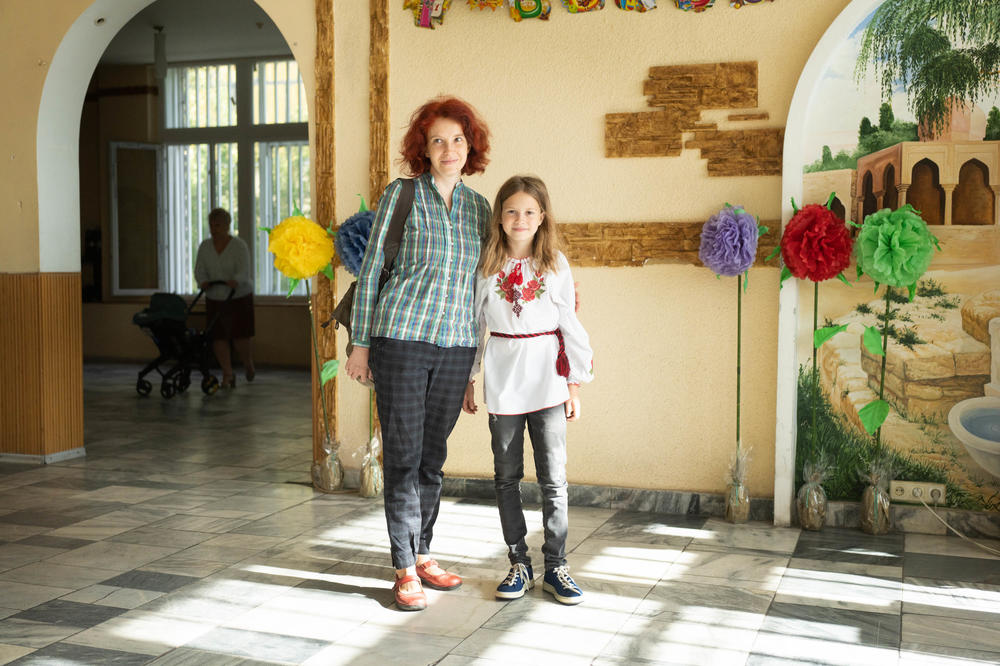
{"x":41,"y":361}
{"x":378,"y":108}
{"x":324,"y":163}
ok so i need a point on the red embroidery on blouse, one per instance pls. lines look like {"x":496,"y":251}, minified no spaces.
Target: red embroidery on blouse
{"x":512,"y":288}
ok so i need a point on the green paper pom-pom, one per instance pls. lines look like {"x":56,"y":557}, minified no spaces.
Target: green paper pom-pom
{"x":895,"y":247}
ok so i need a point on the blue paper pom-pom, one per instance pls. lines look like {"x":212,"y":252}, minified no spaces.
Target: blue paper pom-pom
{"x":352,"y":239}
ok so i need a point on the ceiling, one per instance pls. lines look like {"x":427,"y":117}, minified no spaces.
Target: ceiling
{"x":197,"y":30}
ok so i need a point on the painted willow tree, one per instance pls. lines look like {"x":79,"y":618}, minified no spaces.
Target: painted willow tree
{"x":937,"y":50}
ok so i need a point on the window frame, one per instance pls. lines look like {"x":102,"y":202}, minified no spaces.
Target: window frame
{"x":245,"y":134}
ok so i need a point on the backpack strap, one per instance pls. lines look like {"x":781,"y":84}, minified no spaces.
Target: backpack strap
{"x":394,"y":235}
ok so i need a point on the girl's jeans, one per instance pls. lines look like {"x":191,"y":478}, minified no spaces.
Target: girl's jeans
{"x":547,"y":429}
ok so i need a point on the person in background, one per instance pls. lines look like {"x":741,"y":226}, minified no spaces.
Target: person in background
{"x":417,"y":340}
{"x":223,"y":267}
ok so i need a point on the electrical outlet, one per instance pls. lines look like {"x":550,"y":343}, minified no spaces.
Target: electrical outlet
{"x":914,"y":491}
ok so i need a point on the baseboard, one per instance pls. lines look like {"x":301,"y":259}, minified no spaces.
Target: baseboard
{"x":78,"y":452}
{"x":625,"y":499}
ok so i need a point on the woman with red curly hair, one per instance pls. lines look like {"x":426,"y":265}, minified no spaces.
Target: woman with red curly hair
{"x":417,"y":338}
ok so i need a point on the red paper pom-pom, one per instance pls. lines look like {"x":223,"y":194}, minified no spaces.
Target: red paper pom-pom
{"x":816,"y":244}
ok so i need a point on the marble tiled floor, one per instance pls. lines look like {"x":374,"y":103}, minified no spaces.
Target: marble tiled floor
{"x":190,"y":535}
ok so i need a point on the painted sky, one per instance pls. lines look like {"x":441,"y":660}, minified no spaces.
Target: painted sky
{"x":840,"y":103}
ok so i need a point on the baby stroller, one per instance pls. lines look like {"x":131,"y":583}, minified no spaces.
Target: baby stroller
{"x":181,"y":348}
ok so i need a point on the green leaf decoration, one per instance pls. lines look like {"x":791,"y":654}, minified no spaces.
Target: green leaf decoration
{"x":296,"y":212}
{"x":761,"y":229}
{"x":872,"y":340}
{"x":877,"y":285}
{"x":364,"y":206}
{"x":913,"y":290}
{"x":786,"y":273}
{"x":860,"y":272}
{"x":873,"y":415}
{"x":840,"y":276}
{"x":746,"y":281}
{"x":774,"y":253}
{"x":823,"y":334}
{"x":265,"y":229}
{"x":292,"y":284}
{"x":795,"y":206}
{"x":328,"y":271}
{"x":829,"y":202}
{"x":329,"y":371}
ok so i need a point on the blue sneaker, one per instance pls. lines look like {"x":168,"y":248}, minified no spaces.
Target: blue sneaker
{"x":561,"y":585}
{"x":518,"y":580}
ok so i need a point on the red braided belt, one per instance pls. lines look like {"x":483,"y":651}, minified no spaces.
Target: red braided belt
{"x":562,"y":361}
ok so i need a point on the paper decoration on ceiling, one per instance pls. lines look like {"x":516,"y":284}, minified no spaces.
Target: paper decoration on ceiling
{"x":636,"y":5}
{"x":427,"y":12}
{"x":522,"y":9}
{"x":486,"y":4}
{"x":739,"y":3}
{"x":578,"y":6}
{"x":694,"y":5}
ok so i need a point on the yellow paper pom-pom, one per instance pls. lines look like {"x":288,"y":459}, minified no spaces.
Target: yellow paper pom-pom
{"x":301,"y":247}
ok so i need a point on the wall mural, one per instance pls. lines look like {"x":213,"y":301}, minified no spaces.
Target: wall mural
{"x":679,"y":94}
{"x":881,"y":134}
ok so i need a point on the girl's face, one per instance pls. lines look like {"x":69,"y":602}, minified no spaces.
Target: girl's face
{"x":520,"y":217}
{"x":447,"y":149}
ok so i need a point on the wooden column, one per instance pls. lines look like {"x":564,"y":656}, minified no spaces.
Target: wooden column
{"x":324,"y":164}
{"x":41,"y":361}
{"x":378,"y":100}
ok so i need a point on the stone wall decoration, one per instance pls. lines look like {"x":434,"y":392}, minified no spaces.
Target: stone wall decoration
{"x":638,"y":243}
{"x":678,"y":94}
{"x":427,"y":12}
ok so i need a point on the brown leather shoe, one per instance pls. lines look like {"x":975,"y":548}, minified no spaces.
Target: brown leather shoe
{"x":409,"y":601}
{"x":444,"y":581}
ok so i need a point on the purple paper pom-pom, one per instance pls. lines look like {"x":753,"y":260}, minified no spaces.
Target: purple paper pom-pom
{"x":352,"y":239}
{"x":729,"y":241}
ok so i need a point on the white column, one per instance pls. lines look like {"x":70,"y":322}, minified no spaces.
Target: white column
{"x":993,"y":388}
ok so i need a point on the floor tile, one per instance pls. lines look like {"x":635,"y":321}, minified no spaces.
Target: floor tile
{"x":117,"y":597}
{"x":372,"y":646}
{"x":68,"y":613}
{"x":190,"y":657}
{"x":111,"y":555}
{"x":9,"y":653}
{"x":949,"y":567}
{"x":257,"y":645}
{"x":65,"y":653}
{"x":954,"y":599}
{"x":948,"y":545}
{"x":24,"y":595}
{"x":950,"y":632}
{"x":850,"y":545}
{"x":141,"y":632}
{"x":722,"y":638}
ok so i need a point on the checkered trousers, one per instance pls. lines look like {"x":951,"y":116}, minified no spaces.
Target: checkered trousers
{"x":419,"y":388}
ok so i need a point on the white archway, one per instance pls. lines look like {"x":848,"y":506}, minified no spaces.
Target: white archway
{"x":791,"y":186}
{"x":57,"y":144}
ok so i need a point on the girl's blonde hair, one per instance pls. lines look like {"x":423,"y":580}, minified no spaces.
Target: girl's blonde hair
{"x":544,"y":246}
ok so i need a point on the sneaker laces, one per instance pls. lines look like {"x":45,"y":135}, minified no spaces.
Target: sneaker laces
{"x":562,"y":575}
{"x":515,"y":571}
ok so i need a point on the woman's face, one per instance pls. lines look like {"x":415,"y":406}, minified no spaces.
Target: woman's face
{"x":447,"y":149}
{"x":218,"y":228}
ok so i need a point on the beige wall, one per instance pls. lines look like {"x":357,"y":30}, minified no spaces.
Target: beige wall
{"x":659,"y":414}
